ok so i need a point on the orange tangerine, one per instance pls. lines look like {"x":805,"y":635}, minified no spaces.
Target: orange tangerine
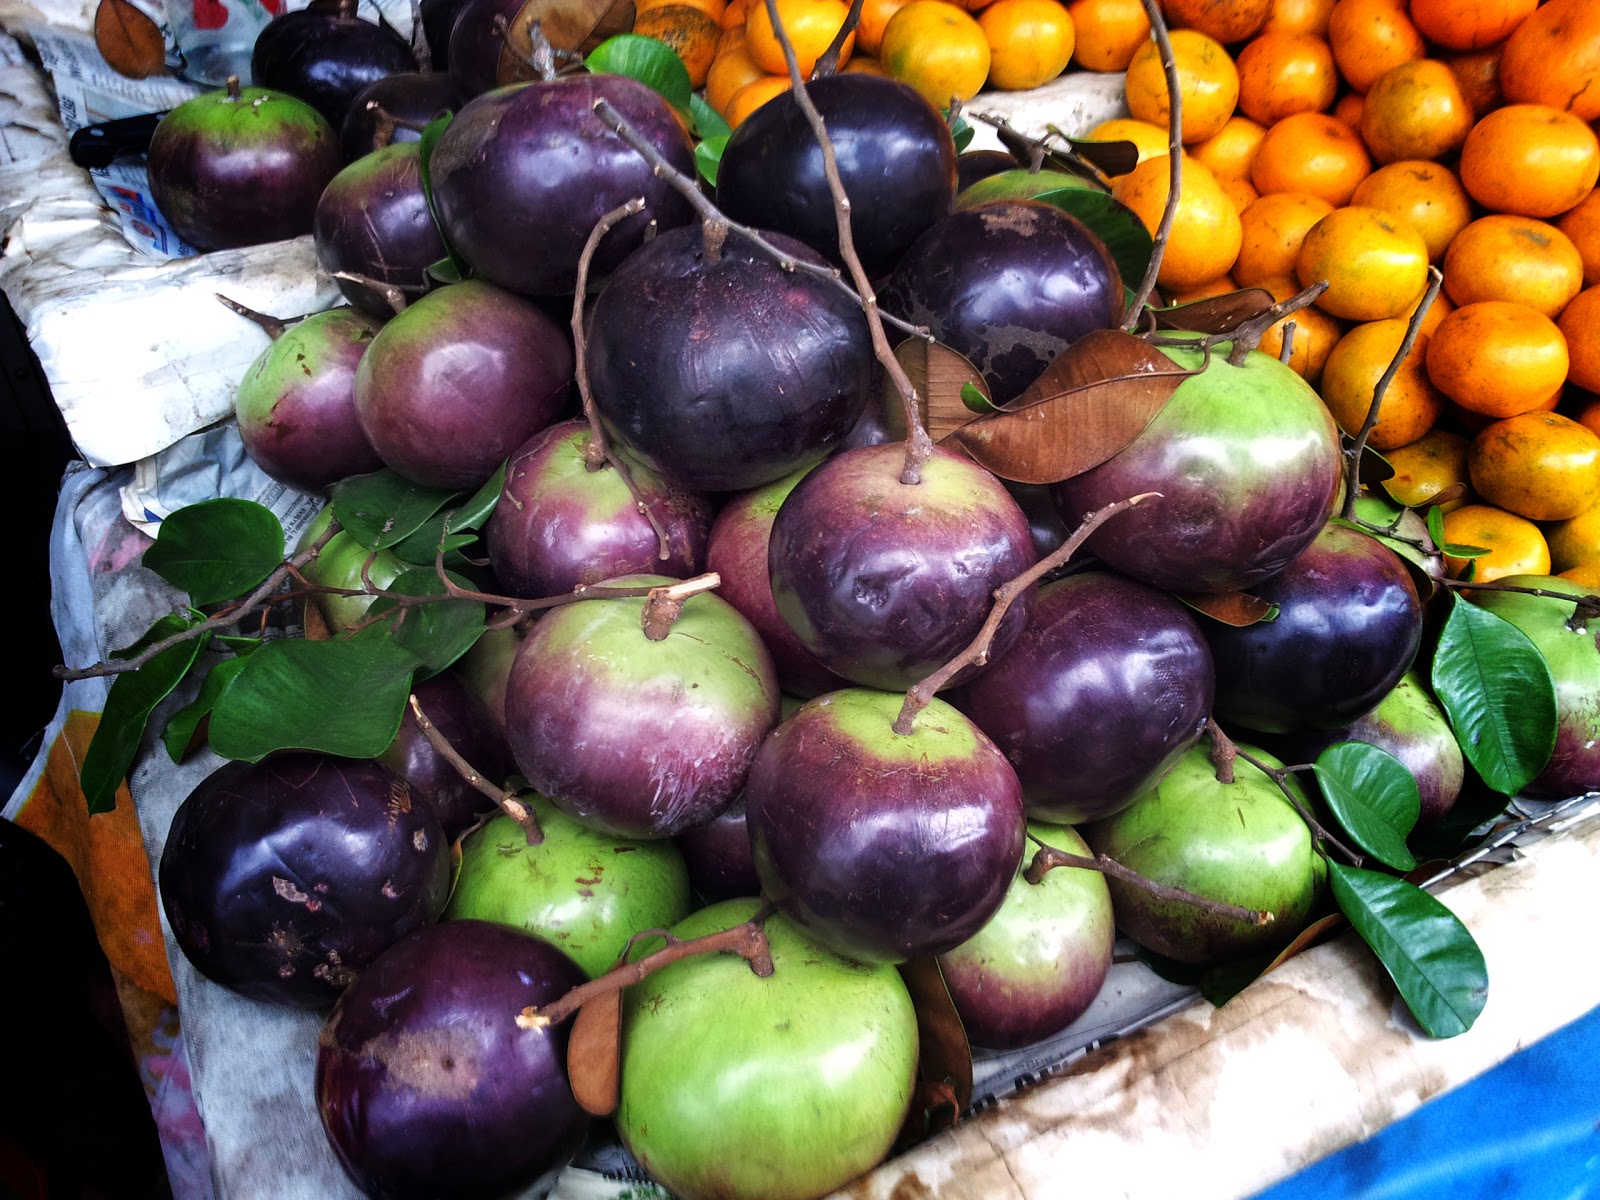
{"x":1205,"y":231}
{"x":1539,"y":465}
{"x":1281,"y":74}
{"x":863,"y":64}
{"x":1589,"y":415}
{"x":1530,"y":159}
{"x":730,"y":72}
{"x":714,"y":9}
{"x":1315,"y":332}
{"x":811,"y":26}
{"x":1554,"y":58}
{"x":1586,"y":574}
{"x":1348,"y":109}
{"x":1424,"y":468}
{"x":1582,"y":224}
{"x":1478,"y":75}
{"x":1273,"y":227}
{"x":1515,"y":544}
{"x":1208,"y":83}
{"x":1469,"y":24}
{"x":1109,"y":32}
{"x":875,"y":16}
{"x":1575,"y":542}
{"x":1410,"y":404}
{"x":1299,"y":16}
{"x":1501,"y":257}
{"x":692,"y":33}
{"x":1225,"y":21}
{"x":1229,"y":152}
{"x":1497,"y":358}
{"x":1240,"y":191}
{"x":1374,"y":264}
{"x":1311,"y":153}
{"x":1580,"y":325}
{"x":1437,"y":311}
{"x":1030,"y":42}
{"x":1425,"y":195}
{"x":1220,"y":286}
{"x":1370,"y":37}
{"x":1415,"y":110}
{"x":753,"y":95}
{"x":938,"y":49}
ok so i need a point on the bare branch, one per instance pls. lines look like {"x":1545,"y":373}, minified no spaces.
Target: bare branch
{"x":1047,"y":858}
{"x":507,"y":801}
{"x":1169,"y":64}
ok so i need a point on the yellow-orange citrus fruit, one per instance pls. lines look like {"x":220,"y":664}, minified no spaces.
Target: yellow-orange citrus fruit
{"x":863,"y":64}
{"x":730,"y":72}
{"x":1315,"y":332}
{"x":1580,"y":325}
{"x":1299,"y":16}
{"x":1240,"y":191}
{"x":811,"y":26}
{"x":1530,"y":159}
{"x":1585,"y":574}
{"x":1030,"y":42}
{"x":1554,"y":58}
{"x":1109,"y":32}
{"x":1469,"y":422}
{"x":1469,"y":24}
{"x":1539,"y":465}
{"x":753,"y":95}
{"x":1501,"y":257}
{"x":1205,"y":231}
{"x":1589,"y":415}
{"x":1311,"y":153}
{"x":1374,"y":264}
{"x":692,"y":33}
{"x":1347,"y":108}
{"x":1225,"y":21}
{"x":938,"y":49}
{"x":1208,"y":83}
{"x":712,"y":8}
{"x":1437,"y":311}
{"x":1370,"y":37}
{"x":1228,"y":153}
{"x":1220,"y":286}
{"x":1478,"y":75}
{"x":1410,"y":405}
{"x":1424,"y":195}
{"x":1281,"y":74}
{"x":1515,"y":544}
{"x":1432,"y":464}
{"x":1415,"y":110}
{"x":1497,"y":358}
{"x":875,"y":16}
{"x":1575,"y":542}
{"x":1272,"y":228}
{"x":1582,"y":225}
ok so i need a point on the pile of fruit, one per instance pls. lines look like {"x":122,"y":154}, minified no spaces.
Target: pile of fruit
{"x":647,"y":584}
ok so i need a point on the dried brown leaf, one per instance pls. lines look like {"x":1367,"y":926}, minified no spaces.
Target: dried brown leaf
{"x":1216,"y":314}
{"x":129,"y":41}
{"x":578,"y":25}
{"x":944,"y":1059}
{"x":1231,"y":608}
{"x":594,"y":1054}
{"x":1094,"y":399}
{"x":1114,"y":158}
{"x":938,"y":373}
{"x":1313,"y":933}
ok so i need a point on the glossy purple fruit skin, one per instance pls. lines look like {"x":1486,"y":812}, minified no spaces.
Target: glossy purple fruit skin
{"x":283,"y":879}
{"x":882,"y":855}
{"x":726,"y":374}
{"x":717,"y":853}
{"x":466,"y":724}
{"x":1109,"y":684}
{"x":326,"y":58}
{"x":411,"y":98}
{"x":475,"y":46}
{"x":738,"y":553}
{"x":1009,"y":284}
{"x":453,"y":385}
{"x":895,"y":157}
{"x":980,"y":164}
{"x":438,"y":21}
{"x":296,"y":405}
{"x":373,"y":220}
{"x":227,"y":173}
{"x":523,"y":173}
{"x":885,"y":582}
{"x":426,"y":1086}
{"x":559,"y":525}
{"x":1349,"y":625}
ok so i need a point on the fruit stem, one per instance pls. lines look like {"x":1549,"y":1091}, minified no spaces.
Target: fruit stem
{"x":271,"y":326}
{"x":234,"y":91}
{"x":1280,"y":776}
{"x":977,"y":651}
{"x":1047,"y":858}
{"x":1286,"y":351}
{"x":394,"y":296}
{"x":919,"y":446}
{"x":828,"y":61}
{"x":663,"y":605}
{"x":1584,"y":606}
{"x":509,"y":804}
{"x":1169,"y":65}
{"x":748,"y":940}
{"x":1223,"y":751}
{"x":1352,"y":458}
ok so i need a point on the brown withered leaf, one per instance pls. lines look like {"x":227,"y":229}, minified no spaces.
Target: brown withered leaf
{"x":129,"y":41}
{"x":1373,"y":469}
{"x":1216,"y":314}
{"x":1313,"y":933}
{"x":578,"y":25}
{"x":1231,"y":608}
{"x":944,"y":1060}
{"x":1094,"y":399}
{"x":1114,"y":158}
{"x":938,"y":373}
{"x":594,"y":1054}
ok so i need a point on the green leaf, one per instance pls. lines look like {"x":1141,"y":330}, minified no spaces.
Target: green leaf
{"x":236,"y":643}
{"x":976,"y":400}
{"x":181,"y":729}
{"x":706,"y":121}
{"x":1112,"y":221}
{"x":708,"y":158}
{"x":381,"y":509}
{"x":341,"y":697}
{"x":960,"y":132}
{"x":1373,"y":796}
{"x":1428,"y":953}
{"x":651,"y":61}
{"x":217,"y":549}
{"x":1457,"y":550}
{"x":1497,"y":691}
{"x":435,"y":634}
{"x":423,"y":544}
{"x":430,"y":138}
{"x":133,"y":696}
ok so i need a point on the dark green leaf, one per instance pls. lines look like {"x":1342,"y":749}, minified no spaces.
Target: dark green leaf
{"x":159,"y":632}
{"x":438,"y":633}
{"x":217,"y":549}
{"x":650,"y":61}
{"x":180,"y":731}
{"x":380,"y":509}
{"x":134,"y":694}
{"x":1476,"y":806}
{"x":708,"y":157}
{"x":706,"y":121}
{"x":446,"y":271}
{"x":1375,"y":798}
{"x":1496,"y":689}
{"x":341,"y":697}
{"x":960,"y":132}
{"x":976,"y":400}
{"x":239,"y":645}
{"x":1428,"y":953}
{"x":1435,"y":520}
{"x":430,"y":138}
{"x":1113,"y":222}
{"x":423,"y":544}
{"x":1457,"y":550}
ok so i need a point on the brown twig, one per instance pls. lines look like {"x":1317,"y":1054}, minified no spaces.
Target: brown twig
{"x":828,"y":62}
{"x":263,"y":596}
{"x":1047,"y":858}
{"x":1352,"y":462}
{"x":977,"y":650}
{"x":394,"y":295}
{"x":508,"y":803}
{"x":271,"y":326}
{"x":1223,"y":751}
{"x":1169,"y":64}
{"x":1039,"y":149}
{"x":919,"y":446}
{"x":1247,"y":335}
{"x":1585,"y":606}
{"x":1286,"y":350}
{"x":748,"y":940}
{"x":689,"y":189}
{"x":664,"y":604}
{"x":1280,"y":776}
